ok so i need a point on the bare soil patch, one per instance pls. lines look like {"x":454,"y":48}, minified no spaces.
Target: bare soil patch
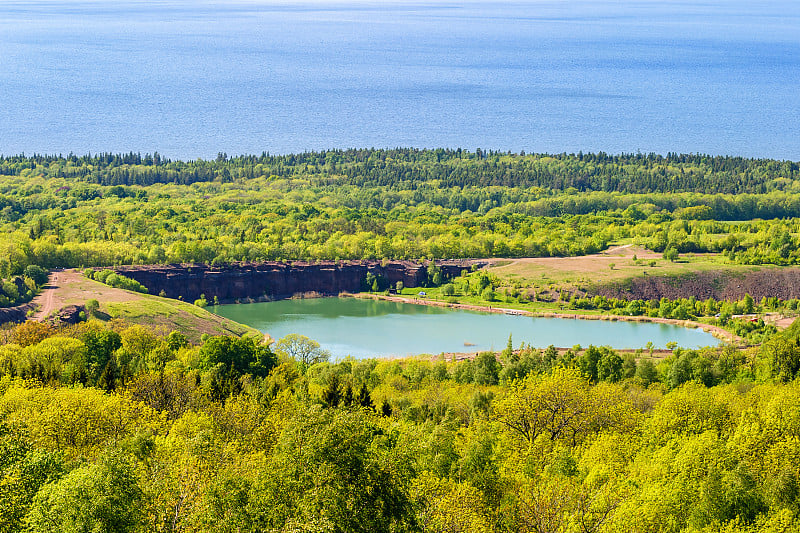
{"x":780,"y":282}
{"x":615,"y":273}
{"x":70,"y":287}
{"x":616,"y":263}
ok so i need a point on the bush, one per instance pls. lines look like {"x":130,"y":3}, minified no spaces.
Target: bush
{"x":38,"y":274}
{"x":488,"y":294}
{"x":118,"y":281}
{"x":92,"y":306}
{"x":486,"y":369}
{"x":102,"y":275}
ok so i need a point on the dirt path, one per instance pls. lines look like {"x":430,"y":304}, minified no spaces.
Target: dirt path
{"x":778,"y":320}
{"x":616,"y":249}
{"x":69,"y":287}
{"x":45,"y":299}
{"x":716,"y":331}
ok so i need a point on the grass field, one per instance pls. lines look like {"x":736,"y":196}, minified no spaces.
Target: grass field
{"x":615,"y":264}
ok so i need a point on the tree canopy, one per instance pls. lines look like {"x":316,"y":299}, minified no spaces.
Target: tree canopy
{"x":219,"y":437}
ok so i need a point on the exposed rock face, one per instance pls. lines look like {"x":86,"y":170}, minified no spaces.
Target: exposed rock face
{"x":15,"y":314}
{"x":783,"y":283}
{"x":70,"y":314}
{"x":255,"y":281}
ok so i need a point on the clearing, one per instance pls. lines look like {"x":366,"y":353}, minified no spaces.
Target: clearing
{"x":615,"y":264}
{"x":71,"y":287}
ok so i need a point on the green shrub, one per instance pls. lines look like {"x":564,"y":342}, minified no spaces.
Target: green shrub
{"x":38,"y":274}
{"x":118,"y":281}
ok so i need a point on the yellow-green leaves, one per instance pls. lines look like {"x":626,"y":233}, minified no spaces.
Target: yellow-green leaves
{"x":78,"y":422}
{"x":104,"y":496}
{"x":445,"y":506}
{"x":562,"y":406}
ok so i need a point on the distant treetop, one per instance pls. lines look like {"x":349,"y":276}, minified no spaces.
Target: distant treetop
{"x":408,"y":167}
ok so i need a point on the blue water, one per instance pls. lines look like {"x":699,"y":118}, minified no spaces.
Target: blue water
{"x":190,"y":79}
{"x":366,"y":328}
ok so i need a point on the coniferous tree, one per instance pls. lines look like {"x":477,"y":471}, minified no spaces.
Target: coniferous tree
{"x":364,"y":399}
{"x":332,"y":396}
{"x":108,"y":378}
{"x":347,"y":398}
{"x":386,"y":409}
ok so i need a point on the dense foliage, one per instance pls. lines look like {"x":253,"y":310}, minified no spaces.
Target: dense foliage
{"x":112,"y":279}
{"x":122,"y":428}
{"x":118,"y":428}
{"x":629,"y":173}
{"x":105,"y":210}
{"x":19,"y":289}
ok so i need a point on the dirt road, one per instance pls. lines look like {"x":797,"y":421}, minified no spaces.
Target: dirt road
{"x":46,"y":299}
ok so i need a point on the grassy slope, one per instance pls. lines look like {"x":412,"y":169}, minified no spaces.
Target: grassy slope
{"x":72,"y":288}
{"x":551,"y":273}
{"x":172,"y":314}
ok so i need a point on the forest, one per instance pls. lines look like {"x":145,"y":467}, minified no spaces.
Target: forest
{"x":104,"y":210}
{"x":629,"y":173}
{"x":113,"y":427}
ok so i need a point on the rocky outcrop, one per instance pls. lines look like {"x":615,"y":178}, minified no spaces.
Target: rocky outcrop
{"x":782,"y":282}
{"x":16,"y":314}
{"x":274,"y":280}
{"x":70,"y":314}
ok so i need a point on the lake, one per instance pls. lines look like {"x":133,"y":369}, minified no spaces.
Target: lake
{"x":368,"y":328}
{"x":190,"y":79}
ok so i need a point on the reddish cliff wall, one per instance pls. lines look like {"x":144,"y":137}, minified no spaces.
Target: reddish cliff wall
{"x":241,"y":281}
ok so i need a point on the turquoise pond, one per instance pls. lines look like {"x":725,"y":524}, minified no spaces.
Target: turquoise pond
{"x":367,"y":328}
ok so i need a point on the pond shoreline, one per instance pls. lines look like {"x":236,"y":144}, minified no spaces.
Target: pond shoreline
{"x":716,"y":331}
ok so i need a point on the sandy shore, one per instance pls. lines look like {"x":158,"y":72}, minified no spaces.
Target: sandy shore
{"x":716,"y":331}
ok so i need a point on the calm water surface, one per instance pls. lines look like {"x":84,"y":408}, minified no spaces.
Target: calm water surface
{"x":190,"y":79}
{"x":365,"y":328}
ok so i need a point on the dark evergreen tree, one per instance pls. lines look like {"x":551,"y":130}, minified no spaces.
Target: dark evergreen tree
{"x":364,"y":399}
{"x":332,"y":395}
{"x":347,"y":398}
{"x":108,"y":379}
{"x":386,"y":409}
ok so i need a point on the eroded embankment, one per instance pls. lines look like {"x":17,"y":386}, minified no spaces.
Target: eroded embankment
{"x":780,"y":282}
{"x":273,"y":280}
{"x":16,"y":314}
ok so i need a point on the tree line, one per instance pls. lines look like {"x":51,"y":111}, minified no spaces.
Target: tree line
{"x":58,"y":223}
{"x":629,"y":173}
